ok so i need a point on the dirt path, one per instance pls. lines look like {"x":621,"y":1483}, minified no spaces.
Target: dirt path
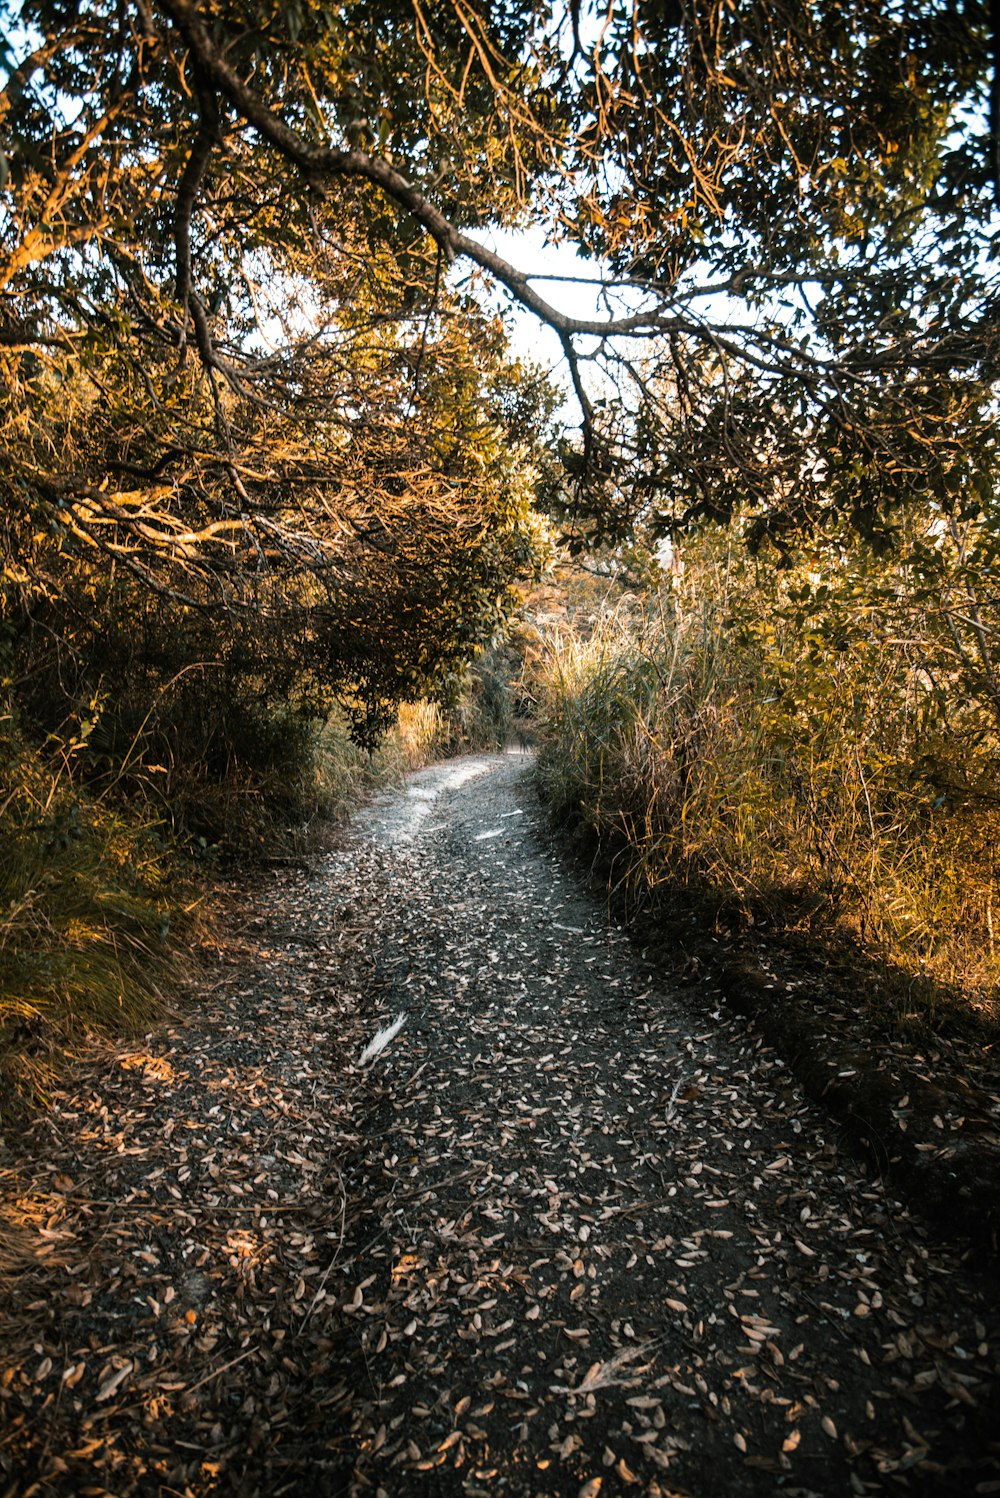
{"x":573,"y":1231}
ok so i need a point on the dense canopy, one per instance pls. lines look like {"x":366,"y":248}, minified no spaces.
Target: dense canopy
{"x":249,"y":320}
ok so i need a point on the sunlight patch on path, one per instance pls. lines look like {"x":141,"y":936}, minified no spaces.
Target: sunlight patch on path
{"x":397,"y":818}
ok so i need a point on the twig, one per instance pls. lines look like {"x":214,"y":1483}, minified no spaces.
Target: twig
{"x":333,"y":1262}
{"x":133,"y":1206}
{"x":224,"y":1369}
{"x":830,"y":1316}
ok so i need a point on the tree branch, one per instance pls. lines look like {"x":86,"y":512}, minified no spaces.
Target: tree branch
{"x":319,"y":163}
{"x":206,"y":138}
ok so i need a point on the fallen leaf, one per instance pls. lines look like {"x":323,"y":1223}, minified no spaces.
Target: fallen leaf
{"x":111,"y":1384}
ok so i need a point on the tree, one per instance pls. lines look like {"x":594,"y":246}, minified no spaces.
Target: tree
{"x":787,"y":205}
{"x":264,"y":410}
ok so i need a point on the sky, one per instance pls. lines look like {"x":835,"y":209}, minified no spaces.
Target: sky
{"x":533,"y":340}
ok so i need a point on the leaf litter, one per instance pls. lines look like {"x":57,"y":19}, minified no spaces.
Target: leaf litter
{"x":577,"y":1231}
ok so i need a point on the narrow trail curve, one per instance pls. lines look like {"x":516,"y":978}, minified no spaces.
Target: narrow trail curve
{"x":601,"y":1242}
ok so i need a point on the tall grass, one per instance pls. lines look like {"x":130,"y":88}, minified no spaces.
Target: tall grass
{"x":90,"y":906}
{"x":710,"y":747}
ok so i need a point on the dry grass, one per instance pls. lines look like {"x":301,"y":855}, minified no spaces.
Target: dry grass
{"x":729,"y":760}
{"x":91,"y":904}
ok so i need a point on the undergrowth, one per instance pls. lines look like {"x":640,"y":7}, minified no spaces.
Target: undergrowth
{"x":720,"y":743}
{"x":92,"y":902}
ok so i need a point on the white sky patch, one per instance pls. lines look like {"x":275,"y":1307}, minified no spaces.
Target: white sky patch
{"x":576,"y":287}
{"x":573,"y":290}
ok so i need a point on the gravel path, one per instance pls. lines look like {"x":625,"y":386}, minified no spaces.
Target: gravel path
{"x":573,"y":1230}
{"x":606,"y":1244}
